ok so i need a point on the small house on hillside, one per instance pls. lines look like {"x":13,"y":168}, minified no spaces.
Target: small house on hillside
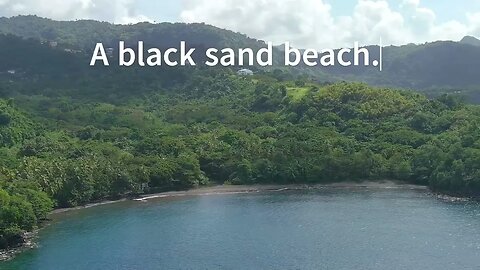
{"x":245,"y":72}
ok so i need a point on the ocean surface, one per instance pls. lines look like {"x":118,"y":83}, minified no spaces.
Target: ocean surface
{"x":330,"y":228}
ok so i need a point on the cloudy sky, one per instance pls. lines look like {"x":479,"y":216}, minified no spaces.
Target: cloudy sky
{"x":305,"y":23}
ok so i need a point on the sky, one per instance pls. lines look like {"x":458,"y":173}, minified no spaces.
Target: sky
{"x":304,"y":23}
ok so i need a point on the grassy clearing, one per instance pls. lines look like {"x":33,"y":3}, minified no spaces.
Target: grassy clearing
{"x":297,"y":93}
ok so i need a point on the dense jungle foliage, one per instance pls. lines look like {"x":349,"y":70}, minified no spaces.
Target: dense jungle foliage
{"x":71,"y":134}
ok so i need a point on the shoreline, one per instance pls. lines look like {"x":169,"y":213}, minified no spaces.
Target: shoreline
{"x":29,"y":243}
{"x":240,"y":189}
{"x":30,"y":237}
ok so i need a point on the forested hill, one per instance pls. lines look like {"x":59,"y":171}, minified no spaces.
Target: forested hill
{"x":71,"y":134}
{"x":84,"y":34}
{"x":470,"y":41}
{"x":433,"y":68}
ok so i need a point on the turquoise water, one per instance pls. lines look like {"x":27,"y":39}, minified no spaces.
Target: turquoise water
{"x":330,"y":228}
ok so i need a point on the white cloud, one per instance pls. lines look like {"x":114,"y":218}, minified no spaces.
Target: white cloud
{"x":304,"y":23}
{"x":310,"y":23}
{"x":118,"y":11}
{"x":299,"y":21}
{"x":372,"y":20}
{"x":474,"y":23}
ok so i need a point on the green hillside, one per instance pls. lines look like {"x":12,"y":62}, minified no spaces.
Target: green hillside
{"x":433,"y":68}
{"x":71,"y":134}
{"x":84,"y":34}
